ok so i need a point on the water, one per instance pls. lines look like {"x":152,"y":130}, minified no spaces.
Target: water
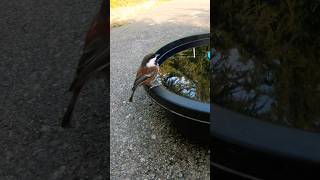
{"x":188,"y":75}
{"x":267,"y":62}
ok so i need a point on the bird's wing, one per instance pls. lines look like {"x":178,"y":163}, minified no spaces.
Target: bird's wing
{"x":89,"y":53}
{"x":94,"y":60}
{"x":91,"y":62}
{"x":141,"y":79}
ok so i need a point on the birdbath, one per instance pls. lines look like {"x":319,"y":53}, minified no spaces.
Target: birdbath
{"x":183,"y":84}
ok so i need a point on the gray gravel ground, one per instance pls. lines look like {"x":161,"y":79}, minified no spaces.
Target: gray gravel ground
{"x":40,"y":44}
{"x":144,"y":143}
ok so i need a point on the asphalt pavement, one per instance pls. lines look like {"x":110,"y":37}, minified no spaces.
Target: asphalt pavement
{"x":40,"y":44}
{"x":144,"y":143}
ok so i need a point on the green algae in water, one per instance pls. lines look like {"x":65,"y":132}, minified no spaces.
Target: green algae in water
{"x":186,"y":75}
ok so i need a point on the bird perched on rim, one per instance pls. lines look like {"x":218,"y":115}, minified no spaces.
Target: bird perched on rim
{"x":94,"y":60}
{"x":147,"y":72}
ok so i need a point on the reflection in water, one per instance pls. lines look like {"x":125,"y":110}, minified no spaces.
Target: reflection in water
{"x":188,"y":74}
{"x":266,"y":62}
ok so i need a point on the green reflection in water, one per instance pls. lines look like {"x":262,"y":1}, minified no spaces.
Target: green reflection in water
{"x":187,"y":75}
{"x":269,"y":66}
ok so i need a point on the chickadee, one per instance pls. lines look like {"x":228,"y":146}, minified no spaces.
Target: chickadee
{"x":147,"y":72}
{"x":94,"y":60}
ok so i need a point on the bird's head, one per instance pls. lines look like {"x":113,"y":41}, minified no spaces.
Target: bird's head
{"x":150,"y":60}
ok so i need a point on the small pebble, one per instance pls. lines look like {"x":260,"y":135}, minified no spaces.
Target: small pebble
{"x":153,"y":136}
{"x":152,"y":176}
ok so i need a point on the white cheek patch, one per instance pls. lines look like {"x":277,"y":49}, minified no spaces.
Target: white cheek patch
{"x":152,"y":62}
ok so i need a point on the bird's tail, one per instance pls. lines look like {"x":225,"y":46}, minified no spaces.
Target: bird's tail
{"x":131,"y":97}
{"x":68,"y":114}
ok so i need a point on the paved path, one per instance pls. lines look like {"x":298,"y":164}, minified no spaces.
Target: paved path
{"x":40,"y":44}
{"x":144,"y":142}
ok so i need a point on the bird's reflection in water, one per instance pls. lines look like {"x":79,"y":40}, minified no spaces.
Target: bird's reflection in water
{"x":187,"y":74}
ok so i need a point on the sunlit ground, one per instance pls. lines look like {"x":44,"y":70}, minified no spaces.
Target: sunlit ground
{"x":123,"y":11}
{"x":125,"y":3}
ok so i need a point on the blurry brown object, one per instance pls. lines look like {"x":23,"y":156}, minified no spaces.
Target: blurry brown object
{"x":94,"y":60}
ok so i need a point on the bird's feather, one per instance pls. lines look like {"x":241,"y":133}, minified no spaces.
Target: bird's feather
{"x":91,"y":65}
{"x":143,"y":78}
{"x":94,"y":60}
{"x":95,"y":63}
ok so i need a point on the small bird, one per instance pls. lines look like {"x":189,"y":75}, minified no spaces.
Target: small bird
{"x":147,"y":72}
{"x":94,"y":60}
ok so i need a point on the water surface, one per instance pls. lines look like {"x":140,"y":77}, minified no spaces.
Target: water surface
{"x":266,"y":62}
{"x":188,"y":74}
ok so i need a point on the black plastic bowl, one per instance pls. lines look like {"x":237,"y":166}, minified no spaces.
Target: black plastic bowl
{"x":253,"y":148}
{"x":249,"y":147}
{"x":181,"y":106}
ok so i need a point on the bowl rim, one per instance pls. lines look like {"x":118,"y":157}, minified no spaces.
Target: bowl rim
{"x":182,"y":106}
{"x":293,"y":149}
{"x":263,"y":136}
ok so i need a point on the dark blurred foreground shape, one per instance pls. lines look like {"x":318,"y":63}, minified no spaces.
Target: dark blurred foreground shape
{"x":265,"y":89}
{"x":95,"y":59}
